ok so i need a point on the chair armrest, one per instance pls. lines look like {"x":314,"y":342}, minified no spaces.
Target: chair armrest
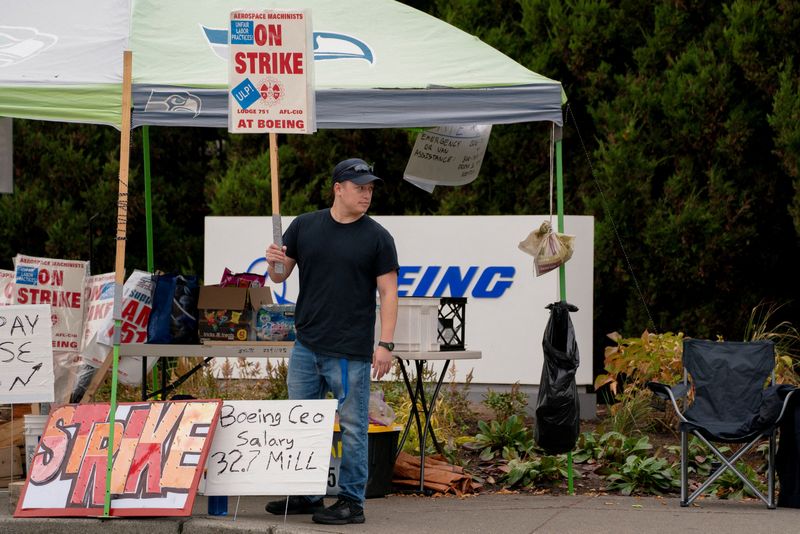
{"x":786,"y":401}
{"x":664,"y":391}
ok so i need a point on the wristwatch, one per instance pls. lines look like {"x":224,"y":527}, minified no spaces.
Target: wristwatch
{"x":388,"y":345}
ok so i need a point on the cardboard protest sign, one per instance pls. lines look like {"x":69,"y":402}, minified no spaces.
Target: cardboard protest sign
{"x":58,"y":283}
{"x":99,"y":301}
{"x":26,"y":354}
{"x":447,"y":155}
{"x":271,"y":72}
{"x":137,"y":300}
{"x":159,"y":452}
{"x":6,"y":287}
{"x":272,"y":448}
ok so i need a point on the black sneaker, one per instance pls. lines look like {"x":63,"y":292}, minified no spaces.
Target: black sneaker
{"x":297,"y":506}
{"x":342,"y":512}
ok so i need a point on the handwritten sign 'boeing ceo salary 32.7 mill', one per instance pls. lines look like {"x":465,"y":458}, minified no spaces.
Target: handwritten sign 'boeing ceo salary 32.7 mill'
{"x":26,"y":354}
{"x":271,"y":448}
{"x":271,"y":72}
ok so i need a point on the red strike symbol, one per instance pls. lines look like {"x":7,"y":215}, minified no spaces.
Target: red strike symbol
{"x":276,"y":92}
{"x":264,"y":91}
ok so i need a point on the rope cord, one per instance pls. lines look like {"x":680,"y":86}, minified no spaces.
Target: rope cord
{"x":607,"y":213}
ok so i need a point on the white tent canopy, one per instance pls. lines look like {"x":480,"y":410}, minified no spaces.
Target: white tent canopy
{"x":378,"y":64}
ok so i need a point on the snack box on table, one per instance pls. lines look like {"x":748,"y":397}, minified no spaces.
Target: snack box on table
{"x":228,"y":313}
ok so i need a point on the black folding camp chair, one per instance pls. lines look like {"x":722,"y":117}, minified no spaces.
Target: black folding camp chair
{"x":731,"y":405}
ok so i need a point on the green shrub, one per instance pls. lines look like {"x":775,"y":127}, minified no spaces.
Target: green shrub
{"x":644,"y":475}
{"x":511,"y":434}
{"x":536,"y":470}
{"x":506,"y":404}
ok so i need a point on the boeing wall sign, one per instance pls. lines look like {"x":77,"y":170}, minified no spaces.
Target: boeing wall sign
{"x":459,"y":256}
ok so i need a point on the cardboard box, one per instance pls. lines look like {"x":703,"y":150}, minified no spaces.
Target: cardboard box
{"x":227,"y":313}
{"x":275,"y":322}
{"x":10,"y":465}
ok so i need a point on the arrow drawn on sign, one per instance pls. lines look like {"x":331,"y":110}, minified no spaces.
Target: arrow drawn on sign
{"x":25,"y":382}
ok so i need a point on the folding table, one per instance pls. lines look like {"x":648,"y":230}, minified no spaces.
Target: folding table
{"x":418,"y":393}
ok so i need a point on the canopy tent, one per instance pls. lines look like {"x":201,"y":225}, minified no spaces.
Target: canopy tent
{"x":378,"y":64}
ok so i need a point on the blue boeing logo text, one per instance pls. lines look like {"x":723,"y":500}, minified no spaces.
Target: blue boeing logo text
{"x":487,"y":283}
{"x":432,"y":281}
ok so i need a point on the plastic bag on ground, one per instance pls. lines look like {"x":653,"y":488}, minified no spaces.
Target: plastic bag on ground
{"x":380,"y":413}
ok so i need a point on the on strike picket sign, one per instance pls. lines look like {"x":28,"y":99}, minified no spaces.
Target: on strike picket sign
{"x":137,"y":301}
{"x":159,"y":452}
{"x":98,"y":296}
{"x":280,"y":447}
{"x":270,"y":72}
{"x":26,"y":354}
{"x":58,"y":283}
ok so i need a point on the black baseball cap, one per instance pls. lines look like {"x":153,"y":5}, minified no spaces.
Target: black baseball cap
{"x":354,"y":169}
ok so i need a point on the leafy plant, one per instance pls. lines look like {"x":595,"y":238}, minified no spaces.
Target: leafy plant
{"x":633,"y":413}
{"x":636,"y":361}
{"x":785,"y":336}
{"x":730,"y":486}
{"x":495,"y":436}
{"x":536,"y":470}
{"x":644,"y":475}
{"x":698,"y":458}
{"x":611,"y":447}
{"x":508,"y":403}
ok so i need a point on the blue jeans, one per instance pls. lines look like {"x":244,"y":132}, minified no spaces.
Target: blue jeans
{"x":311,"y":376}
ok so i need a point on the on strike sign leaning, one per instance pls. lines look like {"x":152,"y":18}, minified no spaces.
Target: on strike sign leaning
{"x":271,"y":72}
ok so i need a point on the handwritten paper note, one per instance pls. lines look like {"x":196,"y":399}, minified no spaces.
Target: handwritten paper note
{"x":26,"y":354}
{"x":271,"y":448}
{"x":447,"y":155}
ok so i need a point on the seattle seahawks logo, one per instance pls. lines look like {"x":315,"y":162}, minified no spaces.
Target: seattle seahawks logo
{"x":18,"y":44}
{"x":174,"y":101}
{"x":327,"y":45}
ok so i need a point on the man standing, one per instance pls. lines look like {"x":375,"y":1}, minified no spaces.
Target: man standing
{"x":343,"y":256}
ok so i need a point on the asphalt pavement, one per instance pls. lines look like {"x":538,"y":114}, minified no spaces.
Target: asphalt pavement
{"x":408,"y":514}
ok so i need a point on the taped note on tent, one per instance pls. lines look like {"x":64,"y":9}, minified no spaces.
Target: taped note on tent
{"x":271,"y":72}
{"x":159,"y":452}
{"x":447,"y":155}
{"x":26,"y":354}
{"x":271,"y":448}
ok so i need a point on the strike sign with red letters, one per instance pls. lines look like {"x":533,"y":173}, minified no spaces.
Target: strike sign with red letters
{"x":271,"y":72}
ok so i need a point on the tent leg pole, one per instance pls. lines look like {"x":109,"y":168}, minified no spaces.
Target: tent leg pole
{"x":119,"y":270}
{"x":562,"y":274}
{"x":148,"y":218}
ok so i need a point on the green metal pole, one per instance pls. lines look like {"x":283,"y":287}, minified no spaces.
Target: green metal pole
{"x":148,"y":204}
{"x":112,"y":413}
{"x":148,"y":219}
{"x":562,"y":274}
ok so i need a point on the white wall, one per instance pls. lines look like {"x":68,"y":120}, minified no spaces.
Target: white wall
{"x":507,"y":329}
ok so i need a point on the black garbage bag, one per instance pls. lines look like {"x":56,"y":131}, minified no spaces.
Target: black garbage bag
{"x":557,"y":406}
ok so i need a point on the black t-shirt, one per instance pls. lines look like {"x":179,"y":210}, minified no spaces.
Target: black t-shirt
{"x":339,"y":265}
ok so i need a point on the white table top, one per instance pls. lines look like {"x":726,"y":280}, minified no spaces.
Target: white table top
{"x":440,"y":355}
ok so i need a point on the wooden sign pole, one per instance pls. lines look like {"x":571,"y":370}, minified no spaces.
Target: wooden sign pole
{"x":119,"y":271}
{"x":277,"y":229}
